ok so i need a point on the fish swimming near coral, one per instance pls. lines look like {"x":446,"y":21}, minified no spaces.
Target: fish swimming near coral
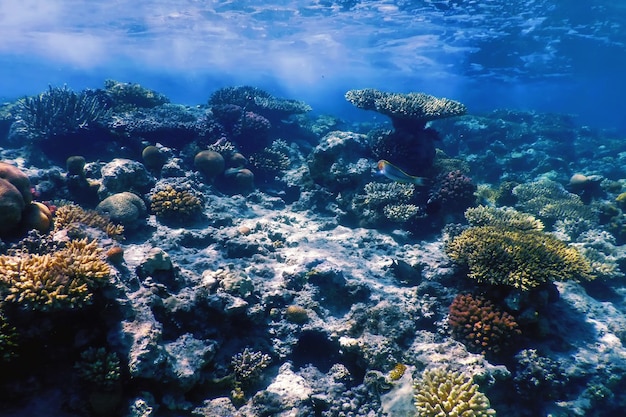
{"x":392,"y":172}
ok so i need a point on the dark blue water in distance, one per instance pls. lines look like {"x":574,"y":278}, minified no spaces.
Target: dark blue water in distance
{"x":556,"y":56}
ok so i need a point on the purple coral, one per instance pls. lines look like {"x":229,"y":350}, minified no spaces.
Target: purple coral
{"x":453,"y":192}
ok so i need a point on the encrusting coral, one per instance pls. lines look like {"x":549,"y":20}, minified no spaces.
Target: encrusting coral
{"x":59,"y":280}
{"x":443,"y":393}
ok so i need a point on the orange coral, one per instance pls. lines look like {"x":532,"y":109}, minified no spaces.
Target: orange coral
{"x":480,"y":324}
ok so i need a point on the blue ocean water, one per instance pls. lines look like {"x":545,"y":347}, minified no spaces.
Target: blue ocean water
{"x":557,"y":56}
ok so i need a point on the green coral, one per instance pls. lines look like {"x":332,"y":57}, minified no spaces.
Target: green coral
{"x":386,"y":200}
{"x":99,"y":367}
{"x":443,"y":393}
{"x":57,"y":112}
{"x":523,"y":259}
{"x":401,"y":213}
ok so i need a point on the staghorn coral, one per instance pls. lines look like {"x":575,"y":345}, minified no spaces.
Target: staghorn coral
{"x":416,"y":107}
{"x":176,"y":204}
{"x":480,"y":325}
{"x":54,"y":281}
{"x":443,"y":393}
{"x":74,"y":217}
{"x":57,"y":112}
{"x":502,"y":217}
{"x":521,"y":259}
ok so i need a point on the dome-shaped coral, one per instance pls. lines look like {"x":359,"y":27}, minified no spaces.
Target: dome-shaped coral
{"x":482,"y":326}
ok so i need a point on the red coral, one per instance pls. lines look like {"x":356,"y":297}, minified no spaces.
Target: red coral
{"x":481,"y":325}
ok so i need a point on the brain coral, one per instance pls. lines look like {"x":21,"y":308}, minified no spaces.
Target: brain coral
{"x":481,"y":325}
{"x":54,"y":281}
{"x":518,"y":258}
{"x":443,"y":393}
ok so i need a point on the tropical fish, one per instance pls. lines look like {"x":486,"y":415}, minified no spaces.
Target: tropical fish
{"x":392,"y":172}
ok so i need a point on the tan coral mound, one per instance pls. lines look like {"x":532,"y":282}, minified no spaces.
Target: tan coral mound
{"x":442,"y":393}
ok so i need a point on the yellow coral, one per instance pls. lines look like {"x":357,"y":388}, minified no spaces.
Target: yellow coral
{"x":443,"y":393}
{"x":519,"y":258}
{"x":170,"y":203}
{"x":59,"y":280}
{"x":71,"y":215}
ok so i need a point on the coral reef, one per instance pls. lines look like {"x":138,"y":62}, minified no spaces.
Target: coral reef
{"x":483,"y":327}
{"x":505,"y":217}
{"x":440,"y":393}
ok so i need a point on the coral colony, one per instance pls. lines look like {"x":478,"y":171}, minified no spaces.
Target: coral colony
{"x":246,"y":258}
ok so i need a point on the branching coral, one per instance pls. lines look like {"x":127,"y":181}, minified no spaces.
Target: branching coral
{"x":55,"y":281}
{"x":443,"y":393}
{"x":57,"y":112}
{"x":549,"y":201}
{"x":99,"y":367}
{"x":247,"y":368}
{"x":482,"y":326}
{"x":518,"y":258}
{"x":502,"y":217}
{"x":71,"y":216}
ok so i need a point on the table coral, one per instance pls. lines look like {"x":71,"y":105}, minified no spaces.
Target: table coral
{"x":443,"y":393}
{"x":518,"y":258}
{"x":418,"y":107}
{"x":481,"y":325}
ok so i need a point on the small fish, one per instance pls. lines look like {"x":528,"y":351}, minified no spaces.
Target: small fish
{"x":394,"y":173}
